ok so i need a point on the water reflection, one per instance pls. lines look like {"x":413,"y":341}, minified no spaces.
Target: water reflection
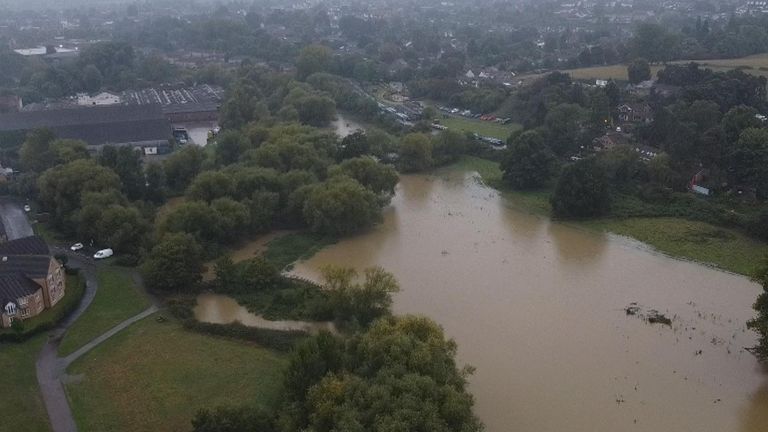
{"x":221,"y":309}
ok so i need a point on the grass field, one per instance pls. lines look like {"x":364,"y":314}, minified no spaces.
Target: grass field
{"x":21,"y":404}
{"x":724,"y":248}
{"x":755,"y":65}
{"x":156,"y":376}
{"x":485,"y":128}
{"x":116,"y":300}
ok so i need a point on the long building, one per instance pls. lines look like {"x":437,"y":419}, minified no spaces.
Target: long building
{"x":142,"y":126}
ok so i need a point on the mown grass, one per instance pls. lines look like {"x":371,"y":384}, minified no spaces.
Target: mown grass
{"x":117,"y":299}
{"x":484,"y":128}
{"x":285,"y":250}
{"x":724,"y":248}
{"x":154,"y":376}
{"x":21,"y":404}
{"x":74,"y":289}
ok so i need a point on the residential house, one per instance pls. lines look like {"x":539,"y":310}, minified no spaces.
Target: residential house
{"x":611,"y":140}
{"x":10,"y":103}
{"x":31,"y":280}
{"x":635,"y":112}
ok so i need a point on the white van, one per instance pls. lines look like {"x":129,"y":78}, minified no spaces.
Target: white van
{"x":104,"y":253}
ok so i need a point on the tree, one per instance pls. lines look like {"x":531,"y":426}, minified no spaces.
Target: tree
{"x":356,"y":302}
{"x":92,"y":79}
{"x":638,"y":70}
{"x":182,"y":166}
{"x":124,"y":229}
{"x":341,"y":206}
{"x":250,"y":276}
{"x":155,"y":181}
{"x":195,"y":218}
{"x":232,"y":218}
{"x":126,"y":162}
{"x":415,"y":153}
{"x":316,"y":111}
{"x":354,"y":145}
{"x":229,"y":146}
{"x":738,"y":119}
{"x":582,"y":191}
{"x":399,"y":375}
{"x":528,"y":163}
{"x":562,"y":125}
{"x":312,"y":59}
{"x":35,"y":153}
{"x":749,"y":160}
{"x":760,"y":322}
{"x":379,"y":178}
{"x":210,"y":185}
{"x":229,"y":419}
{"x":174,"y":265}
{"x":448,"y":145}
{"x":62,"y":187}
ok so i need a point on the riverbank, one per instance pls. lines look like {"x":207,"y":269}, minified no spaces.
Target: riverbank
{"x":724,"y":248}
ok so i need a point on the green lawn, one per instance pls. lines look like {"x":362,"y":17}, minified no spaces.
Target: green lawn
{"x":116,"y":300}
{"x":484,"y":128}
{"x":21,"y":404}
{"x":725,"y":248}
{"x":285,"y":250}
{"x":156,"y":376}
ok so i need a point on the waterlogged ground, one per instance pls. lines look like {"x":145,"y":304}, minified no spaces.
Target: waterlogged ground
{"x":540,"y":310}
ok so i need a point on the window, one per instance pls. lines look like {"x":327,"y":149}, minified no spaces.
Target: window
{"x":24,"y":312}
{"x":22,"y":301}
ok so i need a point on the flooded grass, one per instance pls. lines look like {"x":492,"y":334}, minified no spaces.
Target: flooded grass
{"x":724,"y":248}
{"x":155,"y":376}
{"x":21,"y":405}
{"x":285,"y":250}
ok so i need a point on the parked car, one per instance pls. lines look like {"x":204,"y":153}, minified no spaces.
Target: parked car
{"x":76,"y":247}
{"x":104,"y":253}
{"x":27,"y":208}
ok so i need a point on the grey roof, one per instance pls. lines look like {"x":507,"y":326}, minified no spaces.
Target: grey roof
{"x":16,"y":285}
{"x":98,"y":125}
{"x":33,"y":266}
{"x":34,"y":245}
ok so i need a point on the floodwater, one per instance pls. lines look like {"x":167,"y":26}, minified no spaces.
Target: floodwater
{"x":221,"y":309}
{"x":538,"y":308}
{"x":344,"y":126}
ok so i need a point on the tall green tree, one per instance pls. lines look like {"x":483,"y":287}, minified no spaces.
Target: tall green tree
{"x":528,"y":163}
{"x":415,"y":153}
{"x":582,"y":191}
{"x":174,"y":265}
{"x":638,"y":70}
{"x":341,"y":206}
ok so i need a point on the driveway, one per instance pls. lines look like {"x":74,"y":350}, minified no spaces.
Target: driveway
{"x":14,"y":219}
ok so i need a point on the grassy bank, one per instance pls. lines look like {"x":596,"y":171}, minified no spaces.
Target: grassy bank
{"x":283,"y":251}
{"x":155,"y":376}
{"x":485,"y":128}
{"x":117,"y":299}
{"x":724,"y":248}
{"x":21,"y":404}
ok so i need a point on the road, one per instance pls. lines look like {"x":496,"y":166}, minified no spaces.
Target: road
{"x":14,"y":219}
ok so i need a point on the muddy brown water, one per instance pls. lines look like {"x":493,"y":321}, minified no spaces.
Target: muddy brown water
{"x":221,"y":309}
{"x":538,"y":308}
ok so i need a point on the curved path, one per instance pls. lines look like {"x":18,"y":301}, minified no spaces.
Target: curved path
{"x":51,"y":368}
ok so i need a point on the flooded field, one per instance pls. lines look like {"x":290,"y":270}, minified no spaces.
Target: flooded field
{"x":554,"y":317}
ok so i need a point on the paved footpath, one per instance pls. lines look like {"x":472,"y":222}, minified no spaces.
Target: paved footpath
{"x":51,"y":368}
